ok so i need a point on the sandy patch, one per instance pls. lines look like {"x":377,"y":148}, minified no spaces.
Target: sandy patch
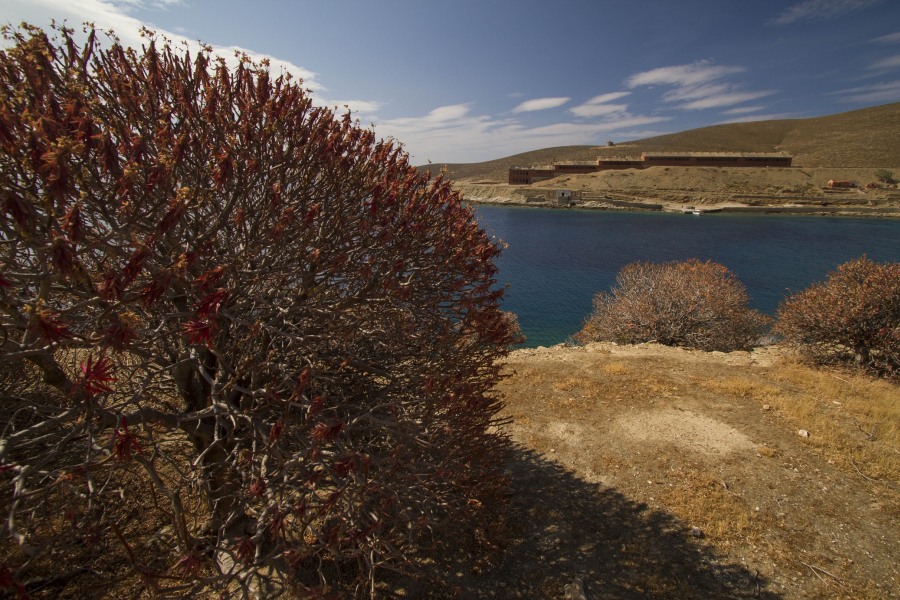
{"x":683,"y":428}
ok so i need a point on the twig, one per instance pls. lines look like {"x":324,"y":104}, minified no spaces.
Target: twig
{"x":727,"y":489}
{"x":860,"y":472}
{"x":816,"y":571}
{"x":840,"y":378}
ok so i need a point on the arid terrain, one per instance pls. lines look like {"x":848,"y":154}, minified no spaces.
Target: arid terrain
{"x":655,"y":472}
{"x":852,"y":146}
{"x":708,"y":188}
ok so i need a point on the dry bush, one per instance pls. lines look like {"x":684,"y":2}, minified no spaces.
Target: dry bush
{"x":692,"y":304}
{"x":260,"y":344}
{"x":853,"y":317}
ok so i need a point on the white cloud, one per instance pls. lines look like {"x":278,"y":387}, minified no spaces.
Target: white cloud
{"x":887,"y":63}
{"x":769,"y":117}
{"x":114,"y":14}
{"x":444,"y":114}
{"x":891,"y":38}
{"x":359,"y":107}
{"x":696,"y":73}
{"x":604,"y":98}
{"x":597,"y":106}
{"x":888,"y":91}
{"x":728,"y":99}
{"x":471,"y":138}
{"x":819,"y":10}
{"x":742,"y":110}
{"x":696,"y":85}
{"x":693,"y":92}
{"x":598,"y":110}
{"x":540,"y":104}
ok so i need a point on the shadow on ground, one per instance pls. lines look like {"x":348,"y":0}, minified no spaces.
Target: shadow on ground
{"x":561,"y":528}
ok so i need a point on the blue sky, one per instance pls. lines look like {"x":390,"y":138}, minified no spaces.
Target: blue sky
{"x":473,"y":80}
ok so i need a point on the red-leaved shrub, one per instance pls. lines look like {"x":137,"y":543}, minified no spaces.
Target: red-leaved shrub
{"x":245,"y":345}
{"x":692,"y":304}
{"x":853,"y":317}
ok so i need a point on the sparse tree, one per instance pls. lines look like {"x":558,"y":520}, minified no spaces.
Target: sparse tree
{"x":692,"y":304}
{"x":245,"y":346}
{"x":853,"y":317}
{"x":884,"y":176}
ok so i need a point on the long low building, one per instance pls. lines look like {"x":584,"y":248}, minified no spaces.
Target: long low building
{"x":529,"y":175}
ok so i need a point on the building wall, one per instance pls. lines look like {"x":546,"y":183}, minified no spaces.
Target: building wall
{"x":606,"y":165}
{"x":575,"y":169}
{"x":722,"y":160}
{"x":527,"y":176}
{"x":519,"y":176}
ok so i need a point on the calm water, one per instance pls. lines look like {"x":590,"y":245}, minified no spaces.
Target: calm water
{"x":558,"y":259}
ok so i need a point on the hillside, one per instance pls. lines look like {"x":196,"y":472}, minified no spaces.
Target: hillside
{"x":859,"y":138}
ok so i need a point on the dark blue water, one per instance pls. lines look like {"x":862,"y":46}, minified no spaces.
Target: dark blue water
{"x":558,"y":259}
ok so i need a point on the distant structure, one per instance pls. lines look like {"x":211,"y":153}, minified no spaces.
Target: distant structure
{"x":840,"y":183}
{"x":529,"y":175}
{"x":565,"y":198}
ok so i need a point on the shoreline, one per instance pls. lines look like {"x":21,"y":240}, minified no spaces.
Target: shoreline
{"x":786,"y":191}
{"x":888,"y":212}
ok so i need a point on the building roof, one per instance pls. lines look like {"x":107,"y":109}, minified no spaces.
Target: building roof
{"x":718,"y":154}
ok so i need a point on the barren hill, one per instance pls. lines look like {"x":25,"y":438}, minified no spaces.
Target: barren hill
{"x":859,"y":138}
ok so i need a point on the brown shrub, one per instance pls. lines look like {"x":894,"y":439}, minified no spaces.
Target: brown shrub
{"x":852,"y":317}
{"x":692,"y":304}
{"x":266,"y":342}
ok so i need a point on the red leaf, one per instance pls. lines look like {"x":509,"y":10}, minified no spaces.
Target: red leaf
{"x":276,"y":431}
{"x":208,"y":306}
{"x":95,"y":375}
{"x":49,"y":325}
{"x":325,"y":432}
{"x":198,"y":332}
{"x":124,"y":443}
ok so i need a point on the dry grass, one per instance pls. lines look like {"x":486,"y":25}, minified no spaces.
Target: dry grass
{"x":786,"y":505}
{"x":853,"y":420}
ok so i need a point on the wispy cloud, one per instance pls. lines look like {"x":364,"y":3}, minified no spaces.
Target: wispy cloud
{"x":540,"y":104}
{"x":891,"y":38}
{"x":359,"y":107}
{"x":693,"y":74}
{"x":887,"y":63}
{"x":598,"y":107}
{"x":728,"y":99}
{"x":694,"y":92}
{"x":819,"y":10}
{"x":888,"y":91}
{"x":743,"y":110}
{"x":697,"y":85}
{"x":115,"y":15}
{"x":598,"y":110}
{"x":455,"y":134}
{"x":768,"y":117}
{"x":610,"y":97}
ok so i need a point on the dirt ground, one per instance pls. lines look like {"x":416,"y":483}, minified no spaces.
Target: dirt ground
{"x":654,"y":472}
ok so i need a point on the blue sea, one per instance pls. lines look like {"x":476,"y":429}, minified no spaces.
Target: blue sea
{"x":557,"y":260}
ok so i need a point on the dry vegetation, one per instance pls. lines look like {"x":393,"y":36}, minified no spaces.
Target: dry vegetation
{"x":692,"y":479}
